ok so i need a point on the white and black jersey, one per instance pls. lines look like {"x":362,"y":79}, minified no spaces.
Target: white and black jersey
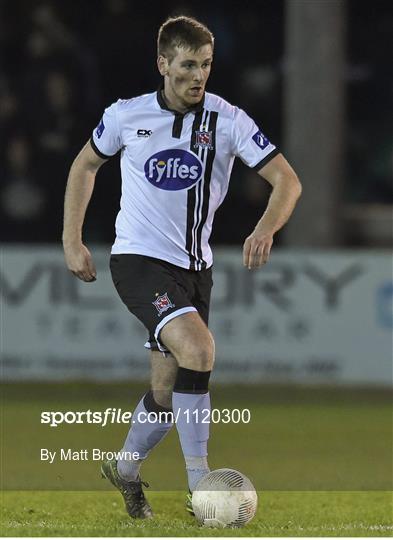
{"x":175,"y":171}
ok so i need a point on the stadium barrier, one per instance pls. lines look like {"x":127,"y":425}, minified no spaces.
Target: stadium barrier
{"x":306,"y":317}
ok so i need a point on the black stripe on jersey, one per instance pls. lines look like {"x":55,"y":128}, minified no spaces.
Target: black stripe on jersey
{"x":191,"y":195}
{"x":211,"y":153}
{"x":177,"y":125}
{"x":202,"y":156}
{"x":191,"y":198}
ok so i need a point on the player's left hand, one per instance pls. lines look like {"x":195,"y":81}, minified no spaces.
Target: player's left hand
{"x":256,"y":249}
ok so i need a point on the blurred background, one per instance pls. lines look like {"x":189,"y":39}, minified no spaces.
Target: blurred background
{"x":306,"y":342}
{"x":315,"y":74}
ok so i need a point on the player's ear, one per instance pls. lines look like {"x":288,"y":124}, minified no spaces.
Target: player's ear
{"x":162,"y":64}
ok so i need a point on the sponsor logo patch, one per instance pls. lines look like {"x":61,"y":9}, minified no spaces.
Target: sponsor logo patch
{"x":162,"y":303}
{"x":204,"y":139}
{"x":100,"y":128}
{"x":173,"y":170}
{"x":144,"y":132}
{"x":260,"y":140}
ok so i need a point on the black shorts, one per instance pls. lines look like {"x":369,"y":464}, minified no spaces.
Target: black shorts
{"x":156,"y":291}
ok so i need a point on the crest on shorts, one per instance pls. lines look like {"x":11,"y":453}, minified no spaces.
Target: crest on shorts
{"x":204,"y":139}
{"x":162,"y":303}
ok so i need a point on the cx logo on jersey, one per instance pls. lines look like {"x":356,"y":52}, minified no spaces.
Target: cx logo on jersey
{"x":144,"y":132}
{"x":173,"y":170}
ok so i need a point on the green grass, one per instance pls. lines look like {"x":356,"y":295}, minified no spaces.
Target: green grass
{"x":321,"y":459}
{"x":298,"y":439}
{"x":279,"y":514}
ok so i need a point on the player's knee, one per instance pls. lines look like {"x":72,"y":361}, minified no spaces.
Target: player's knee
{"x":162,"y":386}
{"x":198,"y":356}
{"x":163,"y":376}
{"x":163,"y":396}
{"x":158,"y":400}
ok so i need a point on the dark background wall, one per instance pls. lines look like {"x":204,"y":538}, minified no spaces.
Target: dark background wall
{"x":62,"y":63}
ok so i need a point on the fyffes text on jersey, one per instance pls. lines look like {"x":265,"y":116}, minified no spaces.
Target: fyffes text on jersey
{"x":173,"y":170}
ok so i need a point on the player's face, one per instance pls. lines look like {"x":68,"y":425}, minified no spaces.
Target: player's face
{"x":186,"y":77}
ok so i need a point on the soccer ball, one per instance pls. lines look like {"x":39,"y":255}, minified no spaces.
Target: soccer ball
{"x":224,"y":498}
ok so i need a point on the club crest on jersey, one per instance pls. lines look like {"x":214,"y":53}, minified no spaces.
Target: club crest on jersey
{"x":204,"y":139}
{"x":162,"y":303}
{"x":260,"y":139}
{"x":173,"y":170}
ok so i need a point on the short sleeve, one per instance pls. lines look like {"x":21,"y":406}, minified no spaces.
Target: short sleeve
{"x":106,"y":139}
{"x":249,"y":143}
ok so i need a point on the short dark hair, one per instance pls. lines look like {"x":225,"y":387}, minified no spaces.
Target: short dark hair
{"x":184,"y":32}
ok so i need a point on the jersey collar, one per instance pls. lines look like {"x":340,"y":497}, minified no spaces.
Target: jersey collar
{"x":161,"y":101}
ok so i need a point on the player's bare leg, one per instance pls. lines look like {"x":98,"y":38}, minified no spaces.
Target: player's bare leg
{"x":163,"y":376}
{"x":191,"y":343}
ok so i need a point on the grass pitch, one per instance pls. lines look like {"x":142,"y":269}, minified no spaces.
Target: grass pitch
{"x":321,"y":460}
{"x":279,"y":514}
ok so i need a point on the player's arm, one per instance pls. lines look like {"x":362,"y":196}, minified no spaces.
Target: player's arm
{"x":285,"y":193}
{"x":79,"y":189}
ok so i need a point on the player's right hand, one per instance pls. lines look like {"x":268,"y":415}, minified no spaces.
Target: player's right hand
{"x":80,"y":262}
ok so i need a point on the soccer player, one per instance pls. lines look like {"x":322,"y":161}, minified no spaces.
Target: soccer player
{"x":177,"y":148}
